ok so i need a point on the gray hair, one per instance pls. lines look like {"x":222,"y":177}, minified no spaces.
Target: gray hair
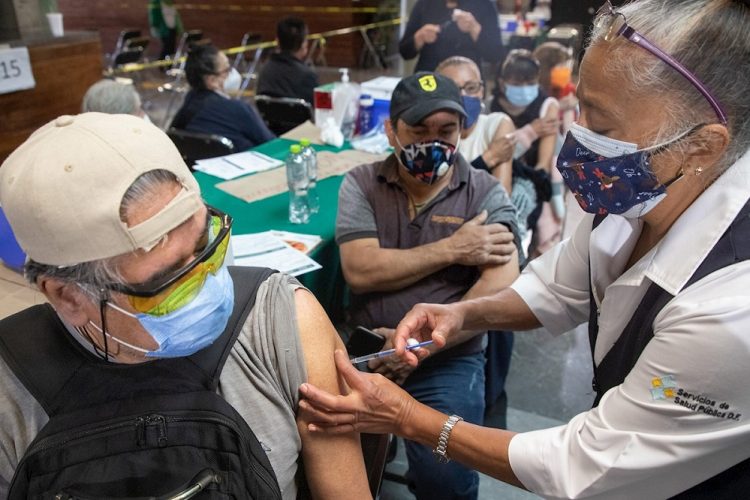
{"x":458,"y":61}
{"x":113,"y":97}
{"x":709,"y":37}
{"x":92,"y":276}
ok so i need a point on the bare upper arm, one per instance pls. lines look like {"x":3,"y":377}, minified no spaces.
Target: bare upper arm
{"x":494,"y":278}
{"x":334,"y":466}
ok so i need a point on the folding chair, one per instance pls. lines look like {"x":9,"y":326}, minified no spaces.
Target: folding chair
{"x":187,"y":38}
{"x":127,"y":56}
{"x":282,"y":114}
{"x":247,"y":67}
{"x":194,"y":146}
{"x":122,"y":39}
{"x":141,"y":42}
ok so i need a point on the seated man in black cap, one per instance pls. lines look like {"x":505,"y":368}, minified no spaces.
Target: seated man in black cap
{"x":421,"y":226}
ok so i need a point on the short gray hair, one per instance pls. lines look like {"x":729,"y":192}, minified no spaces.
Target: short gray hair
{"x":709,"y":37}
{"x":92,"y":276}
{"x":113,"y":97}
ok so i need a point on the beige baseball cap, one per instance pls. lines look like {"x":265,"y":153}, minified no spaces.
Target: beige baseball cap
{"x":62,"y":189}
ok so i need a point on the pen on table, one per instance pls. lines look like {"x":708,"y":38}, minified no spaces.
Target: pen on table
{"x":233,"y":164}
{"x":388,"y":352}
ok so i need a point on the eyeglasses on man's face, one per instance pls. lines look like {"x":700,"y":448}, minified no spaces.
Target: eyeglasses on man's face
{"x":472,"y":87}
{"x":175,"y":290}
{"x":614,"y":24}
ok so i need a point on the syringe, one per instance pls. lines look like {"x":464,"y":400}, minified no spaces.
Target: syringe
{"x":388,"y":352}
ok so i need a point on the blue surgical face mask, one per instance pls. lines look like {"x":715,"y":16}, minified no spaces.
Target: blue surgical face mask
{"x":192,"y":327}
{"x":427,"y":161}
{"x":610,"y":176}
{"x":521,"y":95}
{"x":473,"y":108}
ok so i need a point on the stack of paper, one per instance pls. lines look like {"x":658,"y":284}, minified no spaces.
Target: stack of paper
{"x":267,"y":250}
{"x":237,"y":164}
{"x":305,"y":243}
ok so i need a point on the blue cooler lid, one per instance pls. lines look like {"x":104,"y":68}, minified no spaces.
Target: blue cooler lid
{"x":10,"y":253}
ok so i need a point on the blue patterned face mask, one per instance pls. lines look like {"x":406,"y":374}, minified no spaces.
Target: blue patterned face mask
{"x":192,"y":327}
{"x":610,"y":176}
{"x":473,"y":108}
{"x":521,"y":95}
{"x":427,"y":161}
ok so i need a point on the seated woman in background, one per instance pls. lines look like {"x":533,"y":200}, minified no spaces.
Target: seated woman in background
{"x":518,"y":94}
{"x":208,"y":109}
{"x":488,"y":140}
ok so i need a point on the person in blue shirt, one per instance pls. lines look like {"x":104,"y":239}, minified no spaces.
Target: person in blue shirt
{"x":208,"y":109}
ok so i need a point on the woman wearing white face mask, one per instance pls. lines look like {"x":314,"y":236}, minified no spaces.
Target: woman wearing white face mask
{"x":209,"y":109}
{"x":660,"y":268}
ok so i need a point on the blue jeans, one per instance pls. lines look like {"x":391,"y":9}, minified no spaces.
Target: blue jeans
{"x":453,"y":386}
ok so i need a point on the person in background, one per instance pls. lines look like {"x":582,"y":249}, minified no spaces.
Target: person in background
{"x":659,"y":268}
{"x":424,"y":225}
{"x":145,"y":227}
{"x":114,"y":97}
{"x":487,"y":142}
{"x":207,"y":107}
{"x":438,"y":29}
{"x":518,"y":94}
{"x":285,"y":74}
{"x":166,"y":25}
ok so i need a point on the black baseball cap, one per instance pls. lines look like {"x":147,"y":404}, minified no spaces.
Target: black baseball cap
{"x":422,"y":94}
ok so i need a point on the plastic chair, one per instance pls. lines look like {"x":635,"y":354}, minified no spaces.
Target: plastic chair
{"x":194,"y":146}
{"x":282,"y":114}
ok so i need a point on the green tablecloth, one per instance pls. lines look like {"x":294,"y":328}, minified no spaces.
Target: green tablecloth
{"x":272,"y":213}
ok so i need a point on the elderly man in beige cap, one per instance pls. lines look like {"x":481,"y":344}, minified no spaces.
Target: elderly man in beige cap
{"x":131,"y":261}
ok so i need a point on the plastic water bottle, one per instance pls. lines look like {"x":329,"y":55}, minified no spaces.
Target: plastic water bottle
{"x":364,"y":120}
{"x":297,"y":180}
{"x":311,"y":162}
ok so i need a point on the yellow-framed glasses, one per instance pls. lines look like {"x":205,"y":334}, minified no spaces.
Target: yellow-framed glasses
{"x":182,"y":286}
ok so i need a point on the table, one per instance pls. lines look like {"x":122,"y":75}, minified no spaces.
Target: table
{"x":327,"y":283}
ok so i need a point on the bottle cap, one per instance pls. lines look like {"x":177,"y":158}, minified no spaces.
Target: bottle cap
{"x":304,"y":142}
{"x":295,"y":148}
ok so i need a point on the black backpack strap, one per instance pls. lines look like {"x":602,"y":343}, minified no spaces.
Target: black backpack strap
{"x":38,"y":348}
{"x":732,"y":247}
{"x":45,"y":358}
{"x":247,"y":281}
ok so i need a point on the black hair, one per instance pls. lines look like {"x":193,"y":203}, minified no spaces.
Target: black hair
{"x":201,"y":61}
{"x":519,"y":65}
{"x":291,"y":32}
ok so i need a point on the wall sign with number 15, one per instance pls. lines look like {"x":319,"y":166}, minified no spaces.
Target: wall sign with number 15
{"x":15,"y":70}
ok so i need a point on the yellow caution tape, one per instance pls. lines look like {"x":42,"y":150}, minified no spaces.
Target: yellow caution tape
{"x":129,"y":68}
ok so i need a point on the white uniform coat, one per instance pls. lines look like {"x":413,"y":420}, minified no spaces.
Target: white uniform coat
{"x":682,"y":415}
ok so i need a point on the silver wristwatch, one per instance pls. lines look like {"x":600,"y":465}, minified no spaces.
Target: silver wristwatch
{"x":441,"y":452}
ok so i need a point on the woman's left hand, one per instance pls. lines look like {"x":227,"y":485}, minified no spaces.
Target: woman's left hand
{"x":374,"y":404}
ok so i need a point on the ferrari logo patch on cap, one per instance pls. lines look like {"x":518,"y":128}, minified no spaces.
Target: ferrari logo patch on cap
{"x":428,"y":83}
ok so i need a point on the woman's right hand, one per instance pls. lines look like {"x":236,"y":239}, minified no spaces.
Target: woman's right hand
{"x":434,"y":322}
{"x":374,"y":404}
